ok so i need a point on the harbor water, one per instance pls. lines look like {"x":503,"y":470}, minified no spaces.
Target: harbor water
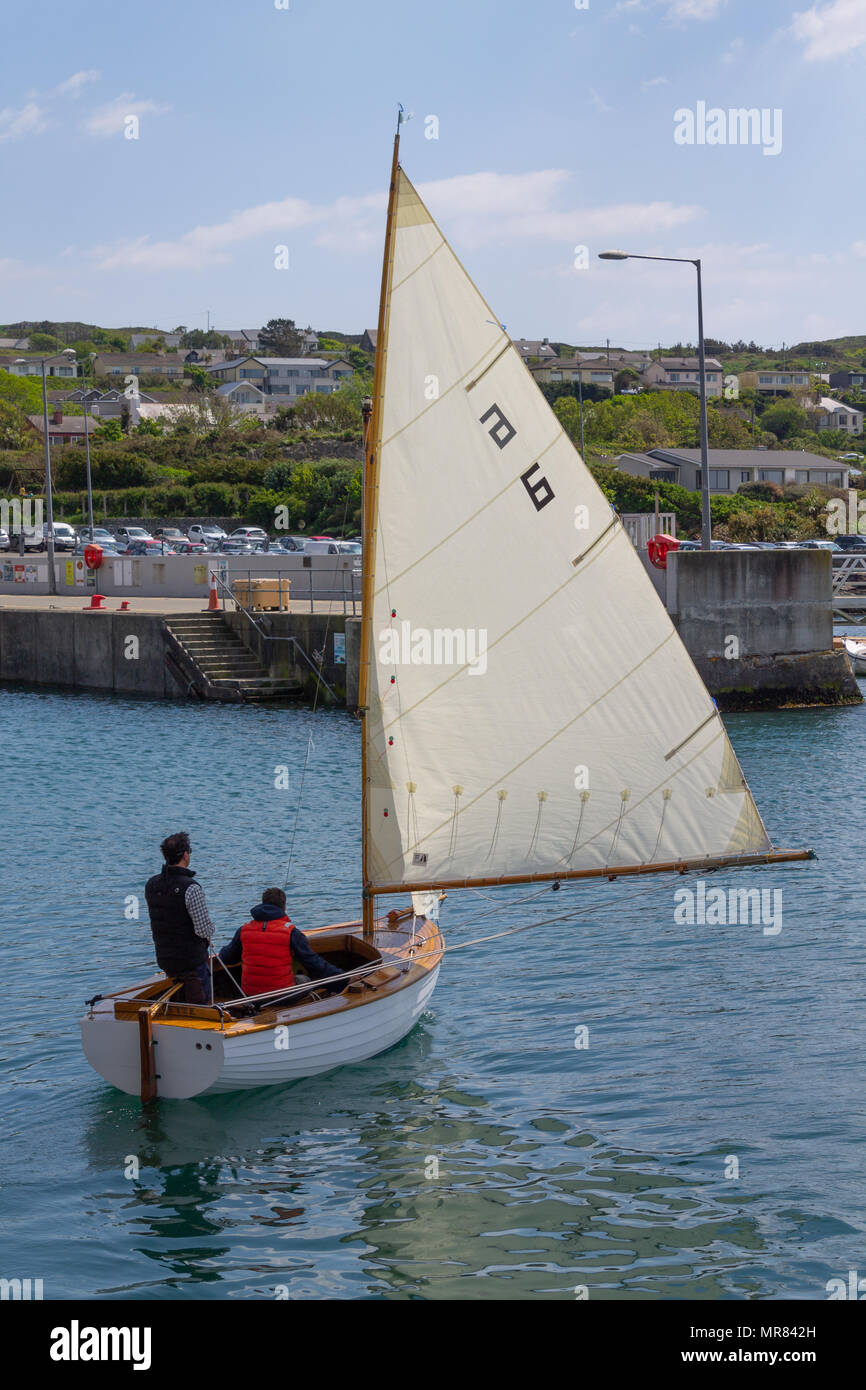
{"x":619,"y":1104}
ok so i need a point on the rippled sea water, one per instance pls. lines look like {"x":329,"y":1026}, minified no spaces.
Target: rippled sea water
{"x":606,"y":1166}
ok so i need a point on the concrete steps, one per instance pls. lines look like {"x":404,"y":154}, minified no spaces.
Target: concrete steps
{"x":225,"y":668}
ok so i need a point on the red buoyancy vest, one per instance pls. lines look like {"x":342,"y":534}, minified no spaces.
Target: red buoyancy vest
{"x":266,"y":962}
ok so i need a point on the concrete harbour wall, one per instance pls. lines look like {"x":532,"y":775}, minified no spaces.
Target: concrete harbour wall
{"x":759,"y":626}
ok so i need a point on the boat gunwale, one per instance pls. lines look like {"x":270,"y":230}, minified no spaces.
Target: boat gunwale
{"x":207,"y":1018}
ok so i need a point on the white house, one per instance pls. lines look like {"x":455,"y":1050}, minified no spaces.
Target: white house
{"x":683,"y":374}
{"x":827,"y":414}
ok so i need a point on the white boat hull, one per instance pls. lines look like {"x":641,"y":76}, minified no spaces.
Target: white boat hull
{"x":193,"y":1057}
{"x":338,"y":1040}
{"x":857,"y":653}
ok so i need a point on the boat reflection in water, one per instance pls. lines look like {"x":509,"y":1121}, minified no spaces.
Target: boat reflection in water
{"x":332,"y":1201}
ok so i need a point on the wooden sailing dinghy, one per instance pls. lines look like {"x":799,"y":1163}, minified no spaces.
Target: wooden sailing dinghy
{"x":528,"y":710}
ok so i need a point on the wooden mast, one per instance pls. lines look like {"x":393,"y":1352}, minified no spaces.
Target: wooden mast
{"x":369,"y":505}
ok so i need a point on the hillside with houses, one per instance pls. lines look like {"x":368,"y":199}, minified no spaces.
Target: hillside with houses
{"x":236,"y":421}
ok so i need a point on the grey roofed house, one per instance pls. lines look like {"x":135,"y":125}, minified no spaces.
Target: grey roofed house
{"x":368,"y":340}
{"x":534,"y":347}
{"x":63,"y":429}
{"x":731,"y":468}
{"x":840,"y":381}
{"x":14,"y":344}
{"x":615,"y":357}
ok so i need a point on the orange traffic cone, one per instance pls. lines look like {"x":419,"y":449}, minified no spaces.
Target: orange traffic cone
{"x":213,"y":603}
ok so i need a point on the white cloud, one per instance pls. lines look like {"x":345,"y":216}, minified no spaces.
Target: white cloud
{"x":598,"y":102}
{"x":74,"y":85}
{"x":16,"y":122}
{"x":859,"y":248}
{"x":733,"y":51}
{"x":830,"y":30}
{"x":653,"y":82}
{"x":483,"y":209}
{"x":693,"y":9}
{"x":109,"y":119}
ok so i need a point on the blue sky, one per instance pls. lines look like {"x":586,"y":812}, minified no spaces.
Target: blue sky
{"x":261,"y":126}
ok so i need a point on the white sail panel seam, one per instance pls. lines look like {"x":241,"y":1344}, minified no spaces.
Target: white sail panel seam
{"x":518,"y":478}
{"x":419,"y":266}
{"x":455,"y":385}
{"x":548,"y":598}
{"x":490,"y":365}
{"x":552,"y":739}
{"x":615,"y":821}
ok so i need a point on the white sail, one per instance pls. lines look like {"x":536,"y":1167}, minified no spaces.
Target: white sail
{"x":531,"y":708}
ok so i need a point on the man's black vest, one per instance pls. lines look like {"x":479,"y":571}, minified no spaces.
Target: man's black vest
{"x":178,"y":949}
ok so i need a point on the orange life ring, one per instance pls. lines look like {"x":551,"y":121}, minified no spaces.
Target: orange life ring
{"x":93,"y":556}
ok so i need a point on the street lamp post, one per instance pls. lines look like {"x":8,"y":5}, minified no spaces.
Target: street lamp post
{"x":706,"y":521}
{"x":49,"y":499}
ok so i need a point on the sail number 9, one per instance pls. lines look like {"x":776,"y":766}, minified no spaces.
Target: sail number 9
{"x":502,"y":432}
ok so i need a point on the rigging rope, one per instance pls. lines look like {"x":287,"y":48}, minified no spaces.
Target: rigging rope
{"x":313,"y":716}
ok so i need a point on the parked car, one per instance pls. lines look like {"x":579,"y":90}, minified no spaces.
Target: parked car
{"x":169,"y":533}
{"x":206,"y":533}
{"x":33,"y":538}
{"x":851,"y":542}
{"x":349,"y":547}
{"x":249,"y":533}
{"x":64,"y":536}
{"x":188,"y":547}
{"x":818,"y":545}
{"x":126,"y":534}
{"x":321,"y":547}
{"x":293,"y":545}
{"x":4,"y":539}
{"x":148,"y":547}
{"x":107,"y":547}
{"x":234,"y":545}
{"x":696,"y":545}
{"x":101,"y":535}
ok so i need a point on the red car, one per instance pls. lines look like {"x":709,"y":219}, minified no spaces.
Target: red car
{"x":190,"y":548}
{"x":149,"y":548}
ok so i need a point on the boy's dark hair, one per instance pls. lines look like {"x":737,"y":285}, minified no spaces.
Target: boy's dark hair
{"x":174,"y":847}
{"x":275,"y":897}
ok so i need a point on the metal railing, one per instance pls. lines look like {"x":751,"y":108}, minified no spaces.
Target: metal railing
{"x":269,"y":637}
{"x":849,"y":583}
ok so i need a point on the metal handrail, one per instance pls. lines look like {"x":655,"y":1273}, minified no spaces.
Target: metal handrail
{"x":269,"y":637}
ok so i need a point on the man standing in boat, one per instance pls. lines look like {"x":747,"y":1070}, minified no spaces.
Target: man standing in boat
{"x":265,"y":945}
{"x":180,"y":922}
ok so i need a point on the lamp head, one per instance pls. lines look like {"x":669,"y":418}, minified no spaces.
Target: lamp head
{"x":613,"y":255}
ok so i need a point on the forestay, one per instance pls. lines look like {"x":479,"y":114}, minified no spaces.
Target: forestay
{"x":531,"y":708}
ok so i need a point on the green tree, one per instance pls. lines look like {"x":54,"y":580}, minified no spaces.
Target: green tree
{"x":109,"y":429}
{"x":784,"y":419}
{"x":201,"y":380}
{"x":280,"y":338}
{"x":44,"y":342}
{"x":15,"y":432}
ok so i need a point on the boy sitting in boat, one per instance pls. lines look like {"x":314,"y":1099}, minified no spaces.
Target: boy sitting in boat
{"x":264,"y":948}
